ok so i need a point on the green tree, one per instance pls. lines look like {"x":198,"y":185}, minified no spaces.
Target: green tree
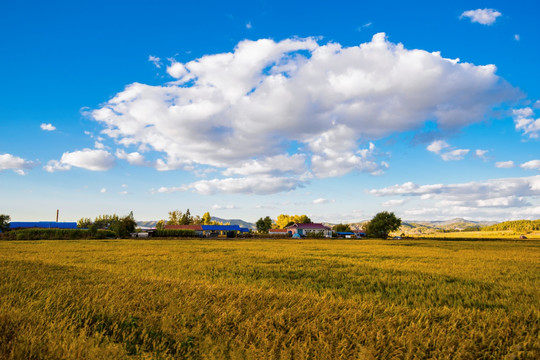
{"x":84,"y":223}
{"x":186,"y":219}
{"x":105,"y":221}
{"x":342,"y":228}
{"x":124,"y":226}
{"x":4,"y":222}
{"x":160,"y":225}
{"x":382,"y":224}
{"x":263,"y":225}
{"x":174,"y":217}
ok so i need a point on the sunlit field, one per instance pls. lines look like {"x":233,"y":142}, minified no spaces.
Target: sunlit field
{"x":481,"y":235}
{"x":270,"y":299}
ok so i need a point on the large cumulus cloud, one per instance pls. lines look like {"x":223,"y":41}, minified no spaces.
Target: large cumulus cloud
{"x":297,"y":100}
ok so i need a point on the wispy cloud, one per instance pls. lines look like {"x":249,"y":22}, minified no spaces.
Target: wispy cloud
{"x":504,"y":164}
{"x":438,"y":146}
{"x":321,"y":201}
{"x":155,"y":60}
{"x":224,"y":207}
{"x":531,"y":165}
{"x":251,"y":185}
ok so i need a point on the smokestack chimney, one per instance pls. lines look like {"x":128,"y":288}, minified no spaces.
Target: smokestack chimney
{"x":57,"y":212}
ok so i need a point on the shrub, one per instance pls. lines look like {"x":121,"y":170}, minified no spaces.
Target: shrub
{"x":175,"y":233}
{"x":56,"y":234}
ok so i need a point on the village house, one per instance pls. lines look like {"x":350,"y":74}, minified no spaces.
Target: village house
{"x":306,"y":229}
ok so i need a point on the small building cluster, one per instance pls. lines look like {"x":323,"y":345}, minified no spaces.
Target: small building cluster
{"x":209,"y":230}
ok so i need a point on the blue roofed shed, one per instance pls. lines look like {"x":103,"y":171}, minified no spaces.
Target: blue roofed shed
{"x":42,"y":225}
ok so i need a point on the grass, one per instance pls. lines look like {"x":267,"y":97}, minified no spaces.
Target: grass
{"x":270,"y":299}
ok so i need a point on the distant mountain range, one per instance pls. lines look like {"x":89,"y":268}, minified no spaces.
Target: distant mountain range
{"x":408,"y":226}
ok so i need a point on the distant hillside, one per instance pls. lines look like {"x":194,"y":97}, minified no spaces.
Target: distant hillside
{"x":147,"y":224}
{"x":425,"y":227}
{"x":238,"y":222}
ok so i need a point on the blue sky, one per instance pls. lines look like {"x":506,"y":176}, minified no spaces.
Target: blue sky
{"x":334,"y":109}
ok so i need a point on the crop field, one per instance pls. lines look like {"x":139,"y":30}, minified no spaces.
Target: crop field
{"x":269,"y":299}
{"x":481,"y":235}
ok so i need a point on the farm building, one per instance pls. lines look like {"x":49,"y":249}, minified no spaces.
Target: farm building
{"x":208,"y":230}
{"x":306,"y":229}
{"x":42,"y":225}
{"x":197,"y":228}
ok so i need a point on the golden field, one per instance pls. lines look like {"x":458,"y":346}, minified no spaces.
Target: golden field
{"x":270,"y":299}
{"x":480,"y":235}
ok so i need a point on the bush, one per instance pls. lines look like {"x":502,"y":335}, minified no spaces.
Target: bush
{"x":56,"y":234}
{"x":175,"y":233}
{"x":315,"y":235}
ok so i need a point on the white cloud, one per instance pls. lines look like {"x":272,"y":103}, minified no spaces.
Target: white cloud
{"x":517,"y":37}
{"x":47,"y":127}
{"x":366,"y":25}
{"x":103,"y":190}
{"x":240,"y":111}
{"x":155,"y":60}
{"x":504,"y":164}
{"x":481,"y":154}
{"x":531,"y":165}
{"x":482,"y":16}
{"x":437,"y":145}
{"x":124,"y":192}
{"x":320,"y":201}
{"x":524,"y":121}
{"x":224,"y":207}
{"x":478,"y":193}
{"x":455,"y":155}
{"x":496,"y":199}
{"x":248,"y":25}
{"x":94,"y":160}
{"x":251,"y":185}
{"x":394,"y":202}
{"x":134,"y":158}
{"x":279,"y":164}
{"x":15,"y":163}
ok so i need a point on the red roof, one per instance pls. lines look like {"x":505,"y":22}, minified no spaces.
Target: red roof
{"x":313,"y":226}
{"x":184,"y":227}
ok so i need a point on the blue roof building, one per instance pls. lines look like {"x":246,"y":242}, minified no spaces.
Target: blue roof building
{"x":42,"y":225}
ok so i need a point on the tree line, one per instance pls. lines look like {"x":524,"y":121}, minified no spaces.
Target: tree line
{"x":380,"y":226}
{"x":522,"y":226}
{"x":177,"y":217}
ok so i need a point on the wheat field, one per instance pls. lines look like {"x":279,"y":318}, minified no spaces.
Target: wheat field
{"x":269,"y":299}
